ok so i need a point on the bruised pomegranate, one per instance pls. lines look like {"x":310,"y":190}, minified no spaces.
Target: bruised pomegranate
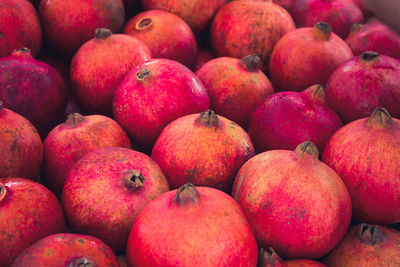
{"x":236,"y":87}
{"x":366,"y":155}
{"x":294,"y":203}
{"x":192,"y":226}
{"x":286,"y":119}
{"x":28,"y":212}
{"x":269,"y":258}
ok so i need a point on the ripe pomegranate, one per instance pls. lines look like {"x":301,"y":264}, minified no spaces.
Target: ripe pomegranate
{"x":367,"y":245}
{"x":286,"y":4}
{"x":28,"y":212}
{"x":236,"y":87}
{"x":154,"y":94}
{"x":269,"y":258}
{"x":70,"y":250}
{"x":359,"y":85}
{"x":203,"y":57}
{"x":71,"y":140}
{"x":101,"y":64}
{"x":244,"y":28}
{"x":366,"y":155}
{"x":192,"y":226}
{"x":363,"y":7}
{"x":294,"y":202}
{"x":166,"y":34}
{"x":307,"y":56}
{"x":286,"y":119}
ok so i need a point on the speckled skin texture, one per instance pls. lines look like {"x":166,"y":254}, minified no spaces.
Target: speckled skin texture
{"x":71,"y":140}
{"x":69,"y":24}
{"x":359,"y":85}
{"x":269,"y":258}
{"x":209,"y":231}
{"x":287,"y":4}
{"x":244,"y":28}
{"x":286,"y":119}
{"x":21,"y":149}
{"x":234,"y":91}
{"x":366,"y":155}
{"x":107,"y":172}
{"x":294,"y":203}
{"x":65,"y":249}
{"x":28,"y":212}
{"x":144,"y":106}
{"x":101,"y":64}
{"x":166,"y":34}
{"x":360,"y":247}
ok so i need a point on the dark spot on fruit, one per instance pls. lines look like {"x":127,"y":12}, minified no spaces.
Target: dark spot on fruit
{"x":81,"y":241}
{"x":1,"y":34}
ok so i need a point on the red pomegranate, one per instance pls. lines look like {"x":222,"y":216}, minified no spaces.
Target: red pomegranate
{"x":21,"y":149}
{"x":359,"y":85}
{"x":154,"y":94}
{"x":236,"y":87}
{"x":71,"y":140}
{"x":287,"y":4}
{"x":101,"y":64}
{"x":244,"y":28}
{"x":286,"y":119}
{"x":293,"y":202}
{"x":269,"y":258}
{"x":166,"y":34}
{"x":367,"y":245}
{"x":307,"y":56}
{"x":203,"y":57}
{"x":366,"y":155}
{"x":192,"y":226}
{"x":28,"y":212}
{"x":70,"y":250}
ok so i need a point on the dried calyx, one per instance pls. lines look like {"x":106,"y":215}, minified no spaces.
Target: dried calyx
{"x":380,"y":117}
{"x":251,"y":63}
{"x":102,"y":33}
{"x":143,"y":74}
{"x":186,"y":194}
{"x":74,"y":119}
{"x":307,"y":148}
{"x":143,"y":24}
{"x":369,"y":234}
{"x":323,"y":29}
{"x":369,"y":56}
{"x":134,"y":179}
{"x":208,"y":118}
{"x":80,"y":262}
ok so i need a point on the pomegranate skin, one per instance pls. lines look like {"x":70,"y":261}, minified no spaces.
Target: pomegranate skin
{"x":76,"y":137}
{"x":366,"y":155}
{"x":29,"y":212}
{"x":307,"y":56}
{"x":65,"y":249}
{"x":293,"y":202}
{"x":166,"y":35}
{"x":269,"y":258}
{"x":286,"y":119}
{"x":363,"y":83}
{"x":154,"y":94}
{"x":192,"y":226}
{"x":243,"y":28}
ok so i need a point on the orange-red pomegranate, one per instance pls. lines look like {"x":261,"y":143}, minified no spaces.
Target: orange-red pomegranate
{"x":269,"y":258}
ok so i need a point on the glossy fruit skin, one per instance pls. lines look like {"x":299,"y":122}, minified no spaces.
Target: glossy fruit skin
{"x":29,"y":212}
{"x":166,"y":35}
{"x":107,"y":172}
{"x":101,"y":64}
{"x":293,"y":202}
{"x":208,"y":231}
{"x":67,"y":249}
{"x":242,"y":28}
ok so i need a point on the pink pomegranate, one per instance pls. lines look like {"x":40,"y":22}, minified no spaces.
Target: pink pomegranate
{"x":294,"y":202}
{"x":166,"y":34}
{"x":29,"y":212}
{"x":286,"y":119}
{"x":359,"y":85}
{"x":269,"y":258}
{"x":236,"y":87}
{"x":154,"y":94}
{"x":71,"y":140}
{"x":287,"y":4}
{"x":307,"y":56}
{"x":244,"y":28}
{"x":192,"y":226}
{"x":366,"y":155}
{"x":203,"y":57}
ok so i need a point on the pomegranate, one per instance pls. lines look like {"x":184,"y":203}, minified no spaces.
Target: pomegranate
{"x":366,"y":155}
{"x":71,"y":140}
{"x":363,"y":6}
{"x":70,"y":250}
{"x":286,"y":119}
{"x":203,"y":57}
{"x":244,"y":28}
{"x":367,"y":245}
{"x":166,"y":34}
{"x":192,"y":226}
{"x":101,"y":64}
{"x":307,"y":56}
{"x":359,"y":85}
{"x":269,"y":258}
{"x":287,"y":4}
{"x":154,"y":94}
{"x":28,"y":212}
{"x":293,"y":202}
